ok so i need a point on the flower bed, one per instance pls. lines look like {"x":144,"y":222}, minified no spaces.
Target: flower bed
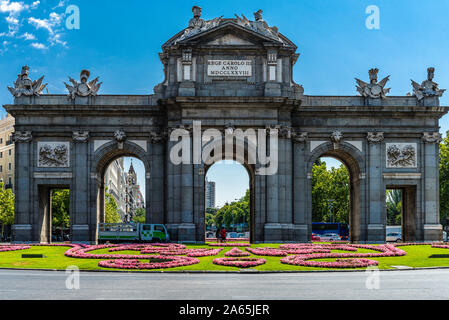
{"x":169,"y":262}
{"x":386,"y":250}
{"x":5,"y":248}
{"x":267,"y":251}
{"x":203,"y":252}
{"x":236,"y":252}
{"x":239,"y":262}
{"x":339,"y":263}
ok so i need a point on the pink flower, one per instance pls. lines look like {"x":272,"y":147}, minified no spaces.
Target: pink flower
{"x":239,"y":262}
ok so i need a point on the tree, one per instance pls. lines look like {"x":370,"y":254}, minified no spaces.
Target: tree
{"x":111,"y":214}
{"x":6,"y":207}
{"x":234,"y":213}
{"x":444,"y":178}
{"x":139,"y":215}
{"x":60,"y":208}
{"x":330,"y":193}
{"x":394,"y":206}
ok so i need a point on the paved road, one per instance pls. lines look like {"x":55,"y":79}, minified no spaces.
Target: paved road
{"x":409,"y":284}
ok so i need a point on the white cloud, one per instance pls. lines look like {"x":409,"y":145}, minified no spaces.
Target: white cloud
{"x":39,"y":46}
{"x":12,"y":7}
{"x":60,"y":4}
{"x":12,"y":20}
{"x":28,"y":36}
{"x":35,"y":4}
{"x":53,"y":24}
{"x":53,"y":21}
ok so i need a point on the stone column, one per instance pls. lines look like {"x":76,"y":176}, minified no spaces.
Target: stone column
{"x":432,"y":227}
{"x":285,"y":179}
{"x":186,"y":231}
{"x":80,"y":227}
{"x":173,"y":198}
{"x":155,"y":194}
{"x":199,"y":207}
{"x":376,"y":220}
{"x":272,"y":227}
{"x":257,"y":222}
{"x":302,"y":221}
{"x":22,"y":228}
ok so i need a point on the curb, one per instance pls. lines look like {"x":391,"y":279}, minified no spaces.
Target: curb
{"x":229,"y":272}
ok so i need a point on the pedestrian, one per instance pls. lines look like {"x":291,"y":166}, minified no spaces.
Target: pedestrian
{"x":218,"y":234}
{"x":223,"y":235}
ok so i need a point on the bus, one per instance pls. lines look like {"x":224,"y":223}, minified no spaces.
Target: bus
{"x":342,"y":229}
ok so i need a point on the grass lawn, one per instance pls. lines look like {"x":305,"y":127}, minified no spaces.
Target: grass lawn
{"x":417,"y":256}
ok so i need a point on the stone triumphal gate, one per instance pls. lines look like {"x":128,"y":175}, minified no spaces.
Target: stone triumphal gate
{"x":228,"y":74}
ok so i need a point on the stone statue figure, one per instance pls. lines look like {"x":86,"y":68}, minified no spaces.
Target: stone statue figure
{"x":373,"y":89}
{"x":259,"y":25}
{"x":197,"y":24}
{"x":24,"y":86}
{"x":428,"y":88}
{"x":83,"y":88}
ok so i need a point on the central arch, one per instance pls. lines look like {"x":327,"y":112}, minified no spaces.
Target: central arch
{"x":242,"y":158}
{"x":353,"y":160}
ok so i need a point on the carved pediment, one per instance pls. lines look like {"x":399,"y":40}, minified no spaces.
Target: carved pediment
{"x":229,"y":40}
{"x":228,"y":32}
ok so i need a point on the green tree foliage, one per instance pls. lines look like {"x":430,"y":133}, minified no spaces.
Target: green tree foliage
{"x":210,"y":217}
{"x":444,"y":178}
{"x":6,"y":207}
{"x":60,"y":208}
{"x":231,"y":213}
{"x":139,"y":215}
{"x":394,"y":206}
{"x":111,"y":214}
{"x":330,"y":193}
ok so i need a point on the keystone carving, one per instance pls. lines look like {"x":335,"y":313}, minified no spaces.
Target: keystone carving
{"x":431,"y":137}
{"x":375,"y":137}
{"x":22,"y":136}
{"x":80,"y":136}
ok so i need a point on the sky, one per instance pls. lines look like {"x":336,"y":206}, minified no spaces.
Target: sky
{"x":119,"y":42}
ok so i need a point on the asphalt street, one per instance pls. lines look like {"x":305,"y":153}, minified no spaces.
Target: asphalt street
{"x":403,"y":284}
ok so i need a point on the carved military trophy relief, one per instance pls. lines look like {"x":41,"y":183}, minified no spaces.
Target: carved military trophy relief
{"x":53,"y":154}
{"x":24,"y":86}
{"x":427,"y":88}
{"x":83,"y":88}
{"x":401,"y":155}
{"x":373,"y":89}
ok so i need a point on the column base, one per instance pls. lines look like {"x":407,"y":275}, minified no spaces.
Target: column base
{"x":433,"y":232}
{"x":22,"y":233}
{"x":375,"y":234}
{"x":184,"y":232}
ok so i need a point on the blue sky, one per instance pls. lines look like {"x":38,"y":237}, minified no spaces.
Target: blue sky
{"x":119,"y":41}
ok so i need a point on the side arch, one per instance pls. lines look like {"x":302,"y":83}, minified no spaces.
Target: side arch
{"x":100,"y":161}
{"x":354,"y":161}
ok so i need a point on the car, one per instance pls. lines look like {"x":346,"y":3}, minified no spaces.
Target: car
{"x":330,"y":237}
{"x":316,"y":237}
{"x":394,"y":237}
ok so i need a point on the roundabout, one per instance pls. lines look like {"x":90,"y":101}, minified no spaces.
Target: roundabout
{"x":227,"y":257}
